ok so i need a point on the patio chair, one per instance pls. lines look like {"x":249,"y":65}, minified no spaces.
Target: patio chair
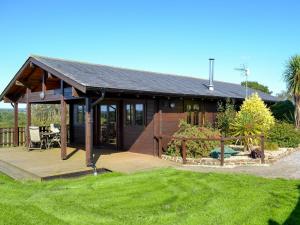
{"x":55,"y":138}
{"x":35,"y":138}
{"x":54,"y":129}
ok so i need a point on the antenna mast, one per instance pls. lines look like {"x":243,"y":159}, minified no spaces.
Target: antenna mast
{"x":245,"y":71}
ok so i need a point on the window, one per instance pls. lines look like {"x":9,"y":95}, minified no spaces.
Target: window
{"x":188,"y":108}
{"x":134,"y":114}
{"x":196,"y":107}
{"x":129,"y":114}
{"x":139,"y":114}
{"x":193,"y":113}
{"x":80,"y":118}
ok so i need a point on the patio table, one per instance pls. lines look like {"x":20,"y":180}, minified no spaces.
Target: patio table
{"x":47,"y":136}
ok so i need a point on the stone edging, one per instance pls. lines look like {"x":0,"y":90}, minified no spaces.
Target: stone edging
{"x":233,"y":161}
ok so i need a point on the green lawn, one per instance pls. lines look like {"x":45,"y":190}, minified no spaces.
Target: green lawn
{"x":159,"y":197}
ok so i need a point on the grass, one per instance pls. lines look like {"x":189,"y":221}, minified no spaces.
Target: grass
{"x":163,"y":196}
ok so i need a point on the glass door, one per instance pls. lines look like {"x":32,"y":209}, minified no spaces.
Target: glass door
{"x":108,"y":125}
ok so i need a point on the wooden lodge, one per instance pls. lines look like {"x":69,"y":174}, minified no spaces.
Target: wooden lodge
{"x":116,"y":108}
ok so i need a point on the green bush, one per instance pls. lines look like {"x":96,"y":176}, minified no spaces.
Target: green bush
{"x":271,"y":146}
{"x":225,"y":116}
{"x":283,"y":111}
{"x":284,"y":134}
{"x":195,"y":149}
{"x":253,"y":118}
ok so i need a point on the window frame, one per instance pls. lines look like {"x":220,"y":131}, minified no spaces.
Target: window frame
{"x":132,"y":121}
{"x":80,"y":114}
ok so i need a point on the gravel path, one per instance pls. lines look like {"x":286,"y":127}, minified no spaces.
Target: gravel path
{"x":287,"y":167}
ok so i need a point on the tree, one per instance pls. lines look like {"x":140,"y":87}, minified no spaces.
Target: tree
{"x":45,"y":114}
{"x":283,"y":111}
{"x":284,"y":95}
{"x":292,"y":79}
{"x":257,"y":86}
{"x":225,"y":116}
{"x":253,"y":118}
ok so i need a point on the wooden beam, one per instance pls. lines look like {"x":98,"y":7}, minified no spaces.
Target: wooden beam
{"x":63,"y":132}
{"x":44,"y":80}
{"x":77,"y":93}
{"x":88,"y":131}
{"x":16,"y":125}
{"x":28,"y":113}
{"x":31,"y":65}
{"x":24,"y":84}
{"x":50,"y":76}
{"x":71,"y":122}
{"x":44,"y":87}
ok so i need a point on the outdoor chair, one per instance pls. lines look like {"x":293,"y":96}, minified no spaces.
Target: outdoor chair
{"x":53,"y":128}
{"x":55,"y":138}
{"x":35,"y":138}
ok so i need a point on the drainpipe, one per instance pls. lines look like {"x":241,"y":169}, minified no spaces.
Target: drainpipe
{"x":99,"y":99}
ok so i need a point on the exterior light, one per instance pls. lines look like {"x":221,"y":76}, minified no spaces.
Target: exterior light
{"x":42,"y":95}
{"x":172,"y":105}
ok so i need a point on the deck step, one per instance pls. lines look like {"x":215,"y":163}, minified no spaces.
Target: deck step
{"x":16,"y":172}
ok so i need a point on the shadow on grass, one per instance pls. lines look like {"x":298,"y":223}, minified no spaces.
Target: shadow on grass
{"x":294,"y":217}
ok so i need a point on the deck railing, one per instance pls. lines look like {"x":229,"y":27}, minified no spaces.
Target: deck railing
{"x":7,"y":135}
{"x":220,"y":139}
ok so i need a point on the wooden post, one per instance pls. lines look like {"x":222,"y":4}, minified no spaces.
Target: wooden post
{"x":88,"y":131}
{"x":192,"y":117}
{"x":16,"y":129}
{"x":222,"y":150}
{"x":183,"y":145}
{"x":262,"y":146}
{"x":159,"y":146}
{"x":28,"y":115}
{"x":160,"y":122}
{"x":71,"y":123}
{"x":63,"y":118}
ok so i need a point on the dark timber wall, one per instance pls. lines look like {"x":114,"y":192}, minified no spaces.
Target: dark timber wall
{"x":159,"y":118}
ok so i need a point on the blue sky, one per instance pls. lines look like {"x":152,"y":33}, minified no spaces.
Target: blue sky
{"x":165,"y":36}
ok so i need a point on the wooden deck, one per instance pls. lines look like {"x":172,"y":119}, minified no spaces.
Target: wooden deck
{"x":46,"y":164}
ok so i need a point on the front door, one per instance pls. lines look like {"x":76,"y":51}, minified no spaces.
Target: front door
{"x":108,"y":125}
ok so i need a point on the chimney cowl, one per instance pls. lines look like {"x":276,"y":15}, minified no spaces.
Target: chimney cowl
{"x":211,"y":74}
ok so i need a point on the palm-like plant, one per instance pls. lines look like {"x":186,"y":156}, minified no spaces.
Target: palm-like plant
{"x":292,"y":79}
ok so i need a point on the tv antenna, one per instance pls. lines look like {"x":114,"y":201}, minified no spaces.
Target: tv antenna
{"x":245,"y":72}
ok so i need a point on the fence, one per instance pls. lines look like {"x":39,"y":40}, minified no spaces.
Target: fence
{"x":221,"y":140}
{"x":167,"y":124}
{"x":7,"y":135}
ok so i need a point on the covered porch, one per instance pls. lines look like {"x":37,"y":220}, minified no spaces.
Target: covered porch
{"x":36,"y":83}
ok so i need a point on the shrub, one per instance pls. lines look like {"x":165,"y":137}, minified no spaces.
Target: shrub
{"x":271,"y":146}
{"x":225,"y":116}
{"x":194,"y":149}
{"x":253,"y":118}
{"x":284,"y":111}
{"x":284,"y":134}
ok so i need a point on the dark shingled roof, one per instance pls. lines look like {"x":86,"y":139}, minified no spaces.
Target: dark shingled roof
{"x":100,"y":76}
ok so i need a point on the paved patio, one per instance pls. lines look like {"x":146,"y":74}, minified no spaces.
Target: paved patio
{"x":46,"y":164}
{"x":287,"y":168}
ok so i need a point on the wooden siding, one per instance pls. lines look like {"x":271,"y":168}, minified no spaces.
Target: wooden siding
{"x":140,"y":138}
{"x":164,"y":105}
{"x":50,"y":96}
